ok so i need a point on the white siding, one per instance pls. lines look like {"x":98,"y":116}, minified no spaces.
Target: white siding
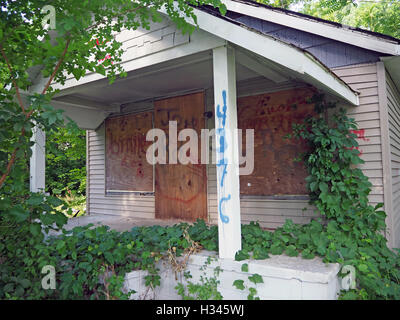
{"x":393,"y":103}
{"x":269,"y":213}
{"x":364,"y":78}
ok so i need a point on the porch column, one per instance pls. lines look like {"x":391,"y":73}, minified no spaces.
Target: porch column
{"x":227,"y":152}
{"x":38,"y":161}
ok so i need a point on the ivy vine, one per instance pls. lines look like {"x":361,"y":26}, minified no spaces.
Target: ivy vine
{"x":350,"y":230}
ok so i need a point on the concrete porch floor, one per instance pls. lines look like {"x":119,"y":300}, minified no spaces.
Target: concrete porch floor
{"x":118,"y":223}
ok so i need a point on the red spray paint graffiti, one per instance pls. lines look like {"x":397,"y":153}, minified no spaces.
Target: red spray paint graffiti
{"x":361,"y":136}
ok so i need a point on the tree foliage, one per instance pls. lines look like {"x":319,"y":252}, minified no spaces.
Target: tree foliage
{"x":378,"y":16}
{"x":32,"y":59}
{"x":66,"y":162}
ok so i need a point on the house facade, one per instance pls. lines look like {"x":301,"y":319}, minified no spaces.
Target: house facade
{"x":255,"y":63}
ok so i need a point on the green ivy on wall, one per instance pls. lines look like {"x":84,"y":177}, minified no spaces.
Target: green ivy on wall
{"x":351,"y":231}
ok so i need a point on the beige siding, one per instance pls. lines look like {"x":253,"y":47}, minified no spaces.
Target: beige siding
{"x":364,"y":79}
{"x":132,"y":205}
{"x":269,"y":213}
{"x":393,"y":104}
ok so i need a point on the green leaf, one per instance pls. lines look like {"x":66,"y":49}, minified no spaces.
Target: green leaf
{"x":241,"y":255}
{"x":245,"y":267}
{"x":307,"y":254}
{"x":60,"y":245}
{"x":19,"y":214}
{"x":363,"y":268}
{"x":35,"y":200}
{"x":256,"y":278}
{"x":35,"y":229}
{"x":25,"y":283}
{"x":222,"y":9}
{"x":277,"y":249}
{"x":323,"y":187}
{"x":291,"y":251}
{"x":239,"y":284}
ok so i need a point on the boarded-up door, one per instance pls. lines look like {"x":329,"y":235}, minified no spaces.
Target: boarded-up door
{"x":181,"y":189}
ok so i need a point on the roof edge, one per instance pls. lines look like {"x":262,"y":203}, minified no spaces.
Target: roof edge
{"x":308,"y":67}
{"x":355,"y":36}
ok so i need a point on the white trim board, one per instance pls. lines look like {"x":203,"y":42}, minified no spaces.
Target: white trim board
{"x":346,"y":35}
{"x":199,"y":42}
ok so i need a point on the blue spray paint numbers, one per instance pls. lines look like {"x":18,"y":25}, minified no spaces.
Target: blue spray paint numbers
{"x":222,"y":162}
{"x":224,"y":218}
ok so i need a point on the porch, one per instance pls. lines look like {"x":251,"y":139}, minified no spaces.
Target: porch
{"x":118,"y":223}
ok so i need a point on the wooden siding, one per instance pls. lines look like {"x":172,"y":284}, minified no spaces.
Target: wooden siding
{"x":393,"y":104}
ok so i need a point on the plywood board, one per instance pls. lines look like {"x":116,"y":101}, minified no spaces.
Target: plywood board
{"x":271,"y":116}
{"x":126,"y":166}
{"x":181,"y":190}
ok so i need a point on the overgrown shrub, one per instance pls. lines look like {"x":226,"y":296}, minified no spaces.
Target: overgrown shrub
{"x":66,"y":162}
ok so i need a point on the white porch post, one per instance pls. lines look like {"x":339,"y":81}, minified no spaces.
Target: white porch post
{"x":227,"y":153}
{"x":38,"y":161}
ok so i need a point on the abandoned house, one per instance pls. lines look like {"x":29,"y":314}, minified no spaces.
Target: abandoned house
{"x":253,"y":63}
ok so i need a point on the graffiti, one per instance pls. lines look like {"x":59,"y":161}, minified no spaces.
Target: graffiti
{"x":272,"y":117}
{"x":126,"y":165}
{"x":107,"y":56}
{"x":222,"y":162}
{"x":360,"y":135}
{"x":132,"y":144}
{"x":224,"y":218}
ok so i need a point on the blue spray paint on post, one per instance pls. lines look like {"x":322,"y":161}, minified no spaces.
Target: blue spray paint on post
{"x":222,"y":163}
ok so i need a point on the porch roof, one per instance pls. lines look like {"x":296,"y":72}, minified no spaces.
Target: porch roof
{"x":88,"y":102}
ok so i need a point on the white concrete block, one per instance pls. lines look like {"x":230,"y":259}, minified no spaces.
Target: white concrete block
{"x":286,"y":278}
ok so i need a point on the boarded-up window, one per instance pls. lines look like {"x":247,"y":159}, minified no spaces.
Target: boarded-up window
{"x":126,"y":166}
{"x":271,"y":116}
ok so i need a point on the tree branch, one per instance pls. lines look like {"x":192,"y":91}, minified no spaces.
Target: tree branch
{"x":57,"y":66}
{"x":9,"y":166}
{"x":13,"y":79}
{"x":60,"y":61}
{"x":11,"y":162}
{"x":28,"y":115}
